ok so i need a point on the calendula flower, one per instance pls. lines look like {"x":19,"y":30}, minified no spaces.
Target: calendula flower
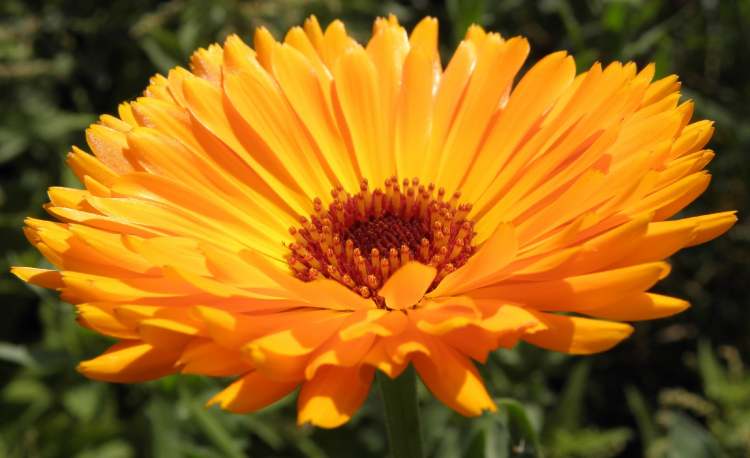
{"x":305,"y":213}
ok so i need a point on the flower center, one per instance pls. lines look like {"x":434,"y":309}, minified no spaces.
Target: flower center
{"x":387,"y":232}
{"x":361,"y":239}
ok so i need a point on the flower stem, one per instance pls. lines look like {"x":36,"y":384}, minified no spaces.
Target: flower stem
{"x":402,"y":414}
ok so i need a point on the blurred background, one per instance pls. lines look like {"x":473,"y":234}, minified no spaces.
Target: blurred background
{"x":677,"y":388}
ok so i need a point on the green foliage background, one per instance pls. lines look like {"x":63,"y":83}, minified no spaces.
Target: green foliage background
{"x":676,"y":389}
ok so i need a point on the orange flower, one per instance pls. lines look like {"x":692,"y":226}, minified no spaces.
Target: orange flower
{"x":305,"y":213}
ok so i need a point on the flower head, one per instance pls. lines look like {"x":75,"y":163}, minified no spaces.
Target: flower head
{"x":302,"y":214}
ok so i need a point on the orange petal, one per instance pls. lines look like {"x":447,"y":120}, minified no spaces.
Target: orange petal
{"x":335,"y":41}
{"x":285,"y":354}
{"x":377,"y":322}
{"x":84,"y":164}
{"x":101,"y":318}
{"x":101,"y":288}
{"x":233,"y":330}
{"x":206,"y":63}
{"x":711,"y":226}
{"x":360,"y":101}
{"x":204,"y":357}
{"x":166,"y":333}
{"x":482,"y":268}
{"x":41,"y":277}
{"x":609,"y":247}
{"x":252,"y":392}
{"x":339,"y":353}
{"x":405,"y":288}
{"x":262,"y":108}
{"x":535,"y":93}
{"x":474,"y":342}
{"x":333,"y":396}
{"x":643,"y":306}
{"x":579,"y":293}
{"x":387,"y":49}
{"x":511,"y":318}
{"x":448,"y":98}
{"x":108,"y":145}
{"x":438,"y":318}
{"x":297,"y":77}
{"x":578,"y":336}
{"x":453,"y":379}
{"x":424,"y":36}
{"x":131,"y":361}
{"x":379,"y":358}
{"x":497,"y":64}
{"x":402,"y":347}
{"x":414,"y":110}
{"x":664,"y":238}
{"x":500,"y":329}
{"x":204,"y":102}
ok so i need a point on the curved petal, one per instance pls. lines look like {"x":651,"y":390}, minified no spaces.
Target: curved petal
{"x":101,"y":318}
{"x":482,"y":267}
{"x":644,"y":306}
{"x":405,"y":288}
{"x":332,"y":397}
{"x":497,"y":63}
{"x":579,"y":293}
{"x":45,"y":278}
{"x":285,"y":354}
{"x":379,"y":358}
{"x":358,"y":94}
{"x":298,"y":79}
{"x":131,"y":361}
{"x":414,"y":113}
{"x":262,"y":107}
{"x":205,"y":357}
{"x":377,"y":322}
{"x":453,"y":380}
{"x":578,"y":336}
{"x":339,"y":353}
{"x":438,"y":318}
{"x":252,"y":392}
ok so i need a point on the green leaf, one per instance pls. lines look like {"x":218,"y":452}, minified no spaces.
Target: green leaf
{"x":34,"y":397}
{"x":519,"y":418}
{"x":449,"y":445}
{"x":159,"y":56}
{"x":112,"y":449}
{"x":568,"y":410}
{"x":165,"y":434}
{"x":17,"y":354}
{"x":713,"y":375}
{"x":614,"y":16}
{"x":309,"y":448}
{"x":26,"y":390}
{"x":567,"y":15}
{"x":590,"y":443}
{"x":83,"y":401}
{"x":208,"y":422}
{"x":267,"y":433}
{"x":508,"y":433}
{"x":439,"y":437}
{"x":12,"y":143}
{"x":643,"y":416}
{"x":464,"y":13}
{"x":491,"y":438}
{"x":689,"y":439}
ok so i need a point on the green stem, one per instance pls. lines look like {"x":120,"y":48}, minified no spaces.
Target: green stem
{"x":402,"y":414}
